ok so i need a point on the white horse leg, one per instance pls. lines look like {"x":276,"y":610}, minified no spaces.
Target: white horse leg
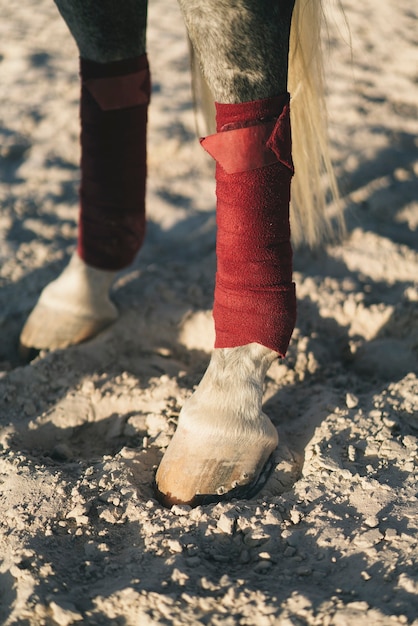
{"x":224,"y":440}
{"x":111,"y":43}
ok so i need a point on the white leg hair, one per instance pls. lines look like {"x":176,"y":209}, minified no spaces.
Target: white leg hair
{"x":223,"y":440}
{"x":71,"y":309}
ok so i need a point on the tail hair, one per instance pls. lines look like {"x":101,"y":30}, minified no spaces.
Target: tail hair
{"x":311,"y":222}
{"x":314,"y":181}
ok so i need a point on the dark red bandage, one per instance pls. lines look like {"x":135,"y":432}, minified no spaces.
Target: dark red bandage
{"x":113,"y":111}
{"x":254,"y":296}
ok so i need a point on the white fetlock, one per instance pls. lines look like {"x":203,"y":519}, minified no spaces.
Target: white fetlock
{"x":223,"y":439}
{"x":72,"y":308}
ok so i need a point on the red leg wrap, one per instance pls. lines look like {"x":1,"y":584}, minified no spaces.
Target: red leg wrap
{"x":254,"y":296}
{"x":113,"y":110}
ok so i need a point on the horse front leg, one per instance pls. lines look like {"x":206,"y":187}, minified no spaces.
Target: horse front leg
{"x":115,"y":88}
{"x":223,"y":441}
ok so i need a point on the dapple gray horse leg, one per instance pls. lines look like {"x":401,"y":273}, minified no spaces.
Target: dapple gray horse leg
{"x":76,"y":306}
{"x":223,"y":441}
{"x":242,"y":46}
{"x":108,"y":30}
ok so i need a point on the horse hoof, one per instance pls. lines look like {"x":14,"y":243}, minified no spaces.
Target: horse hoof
{"x":71,"y":309}
{"x":198,"y":468}
{"x":51,"y":329}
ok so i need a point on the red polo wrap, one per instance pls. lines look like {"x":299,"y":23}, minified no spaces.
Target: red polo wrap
{"x":254,"y":295}
{"x":113,"y":111}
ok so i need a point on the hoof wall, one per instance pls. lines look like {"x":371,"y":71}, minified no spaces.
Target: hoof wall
{"x":240,"y":492}
{"x":199,"y":468}
{"x":49,"y":329}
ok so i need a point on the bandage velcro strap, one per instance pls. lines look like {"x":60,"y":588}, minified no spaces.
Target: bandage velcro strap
{"x":120,"y":92}
{"x":252,"y":147}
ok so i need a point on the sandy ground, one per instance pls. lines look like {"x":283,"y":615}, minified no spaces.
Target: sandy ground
{"x":332,"y":540}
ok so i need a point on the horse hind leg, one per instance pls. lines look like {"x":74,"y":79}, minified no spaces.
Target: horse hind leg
{"x":108,"y":30}
{"x":71,"y":309}
{"x":224,"y":440}
{"x":111,"y":42}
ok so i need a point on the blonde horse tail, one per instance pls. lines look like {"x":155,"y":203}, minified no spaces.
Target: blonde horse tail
{"x":204,"y":105}
{"x":311,"y":222}
{"x":314,"y":185}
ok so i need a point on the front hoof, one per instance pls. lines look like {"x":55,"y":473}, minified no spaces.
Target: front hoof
{"x":201,"y":469}
{"x":239,"y":492}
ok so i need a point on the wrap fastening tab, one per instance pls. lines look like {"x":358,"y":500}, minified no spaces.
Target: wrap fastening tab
{"x":252,"y":147}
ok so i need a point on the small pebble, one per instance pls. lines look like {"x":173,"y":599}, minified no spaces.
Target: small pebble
{"x":255,"y":539}
{"x":303,"y":570}
{"x":295,"y":516}
{"x":181,"y":509}
{"x":226,"y":523}
{"x":351,"y":400}
{"x":410,"y":442}
{"x":351,"y":453}
{"x":390,"y":533}
{"x":262,"y":566}
{"x":174,"y":546}
{"x":371,"y":521}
